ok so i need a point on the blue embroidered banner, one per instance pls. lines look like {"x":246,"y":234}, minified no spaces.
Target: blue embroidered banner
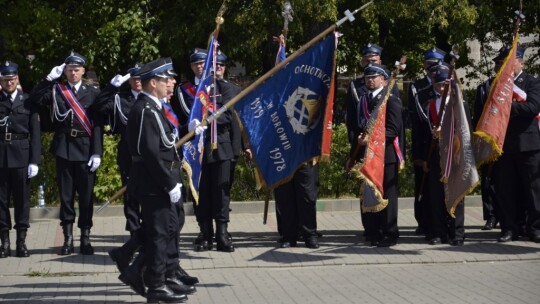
{"x":285,"y":117}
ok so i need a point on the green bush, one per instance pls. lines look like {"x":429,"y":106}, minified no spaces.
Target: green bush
{"x":333,"y":182}
{"x":107,"y":182}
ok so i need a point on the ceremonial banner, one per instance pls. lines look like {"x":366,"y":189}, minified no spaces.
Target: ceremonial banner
{"x":458,"y":164}
{"x":371,"y":170}
{"x":284,"y":118}
{"x":491,"y":128}
{"x":194,"y":149}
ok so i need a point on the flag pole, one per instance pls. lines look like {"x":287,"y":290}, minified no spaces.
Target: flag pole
{"x":348,"y":16}
{"x":287,"y":17}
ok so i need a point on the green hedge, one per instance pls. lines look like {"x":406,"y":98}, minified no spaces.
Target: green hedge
{"x":333,"y":182}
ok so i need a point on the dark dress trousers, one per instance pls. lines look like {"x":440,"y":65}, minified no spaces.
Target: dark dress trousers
{"x":115,"y":107}
{"x":154,"y":172}
{"x":20,"y":145}
{"x":420,"y":92}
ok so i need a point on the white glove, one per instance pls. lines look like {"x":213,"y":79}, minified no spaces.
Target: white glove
{"x":176,"y":193}
{"x":56,"y":72}
{"x":118,"y":80}
{"x":94,"y":162}
{"x":33,"y":170}
{"x":195,"y":124}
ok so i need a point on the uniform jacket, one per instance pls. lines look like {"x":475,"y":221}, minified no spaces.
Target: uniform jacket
{"x":425,"y":131}
{"x":356,"y":123}
{"x":22,"y":118}
{"x":116,"y":116}
{"x":229,"y":91}
{"x":482,"y":92}
{"x":182,"y":100}
{"x":151,"y":174}
{"x":226,"y":131}
{"x":522,"y":133}
{"x":64,"y":145}
{"x":417,"y":104}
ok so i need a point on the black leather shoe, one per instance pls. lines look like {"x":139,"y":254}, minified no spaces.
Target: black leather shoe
{"x":67,"y":247}
{"x":312,"y":242}
{"x":134,"y":280}
{"x":22,"y":251}
{"x":5,"y":251}
{"x":164,"y":294}
{"x":132,"y":276}
{"x":435,"y":241}
{"x":490,"y":224}
{"x":387,"y":242}
{"x":178,"y":287}
{"x":203,"y":245}
{"x":535,"y":238}
{"x":185,"y":278}
{"x":86,"y":247}
{"x":457,"y":242}
{"x":507,"y":236}
{"x":287,"y":244}
{"x":122,"y":263}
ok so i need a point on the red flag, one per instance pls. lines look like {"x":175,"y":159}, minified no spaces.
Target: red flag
{"x":491,"y":128}
{"x":372,"y":170}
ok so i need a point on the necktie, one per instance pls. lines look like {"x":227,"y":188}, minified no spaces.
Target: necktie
{"x":74,"y":90}
{"x":170,"y":114}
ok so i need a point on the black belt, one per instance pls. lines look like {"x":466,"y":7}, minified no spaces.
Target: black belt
{"x":75,"y":133}
{"x":13,"y":136}
{"x":168,"y":164}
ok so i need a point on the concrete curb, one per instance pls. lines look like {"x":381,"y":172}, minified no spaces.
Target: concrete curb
{"x":348,"y":204}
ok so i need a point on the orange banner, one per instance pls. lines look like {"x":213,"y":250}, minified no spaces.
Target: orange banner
{"x":491,"y":128}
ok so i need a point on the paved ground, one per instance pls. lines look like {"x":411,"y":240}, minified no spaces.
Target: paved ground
{"x":342,"y":270}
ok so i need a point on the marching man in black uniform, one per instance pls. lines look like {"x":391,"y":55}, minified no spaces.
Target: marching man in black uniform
{"x":156,"y":180}
{"x":116,"y":108}
{"x":20,"y":153}
{"x":77,"y":145}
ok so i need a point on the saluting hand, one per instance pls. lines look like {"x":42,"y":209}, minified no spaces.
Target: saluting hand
{"x":56,"y":72}
{"x":118,"y":80}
